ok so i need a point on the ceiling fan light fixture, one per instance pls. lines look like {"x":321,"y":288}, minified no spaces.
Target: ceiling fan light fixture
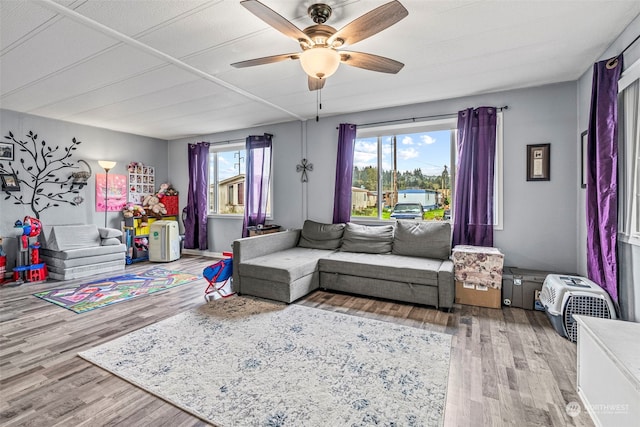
{"x":320,"y":62}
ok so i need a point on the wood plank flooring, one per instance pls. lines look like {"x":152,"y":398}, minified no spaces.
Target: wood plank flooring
{"x":508,"y":367}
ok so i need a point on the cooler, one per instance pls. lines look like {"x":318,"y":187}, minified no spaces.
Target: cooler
{"x":164,"y":241}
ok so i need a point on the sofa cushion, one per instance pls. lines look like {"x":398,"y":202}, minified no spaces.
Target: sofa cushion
{"x":108,"y":233}
{"x":428,"y":239}
{"x":111,"y":241}
{"x":84,"y":252}
{"x":368,"y":239}
{"x":66,"y":237}
{"x":390,"y":267}
{"x":316,"y":235}
{"x":283,"y":266}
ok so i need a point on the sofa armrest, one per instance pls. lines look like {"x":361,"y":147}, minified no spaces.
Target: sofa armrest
{"x":252,"y":247}
{"x":446,"y":285}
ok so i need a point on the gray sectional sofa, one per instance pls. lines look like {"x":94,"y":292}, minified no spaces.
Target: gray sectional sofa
{"x":405,"y":261}
{"x":75,"y":251}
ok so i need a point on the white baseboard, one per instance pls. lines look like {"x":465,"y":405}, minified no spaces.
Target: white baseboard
{"x":209,"y":254}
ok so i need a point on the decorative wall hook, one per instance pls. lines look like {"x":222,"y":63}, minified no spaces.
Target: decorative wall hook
{"x":304,"y":167}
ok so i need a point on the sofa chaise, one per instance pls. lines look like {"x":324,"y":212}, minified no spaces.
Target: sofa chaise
{"x":75,"y":251}
{"x":406,"y":261}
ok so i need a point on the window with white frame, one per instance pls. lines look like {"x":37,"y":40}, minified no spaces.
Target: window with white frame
{"x":227,"y":171}
{"x":629,"y":154}
{"x":409,"y":165}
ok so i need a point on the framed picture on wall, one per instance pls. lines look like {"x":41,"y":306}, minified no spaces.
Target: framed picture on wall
{"x":10,"y":182}
{"x":583,"y":159}
{"x":538,"y":162}
{"x":6,"y":151}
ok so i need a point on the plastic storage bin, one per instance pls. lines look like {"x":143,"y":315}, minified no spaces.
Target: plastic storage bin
{"x":519,"y":287}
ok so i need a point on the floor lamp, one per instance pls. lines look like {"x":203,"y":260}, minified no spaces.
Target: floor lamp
{"x":107,"y":166}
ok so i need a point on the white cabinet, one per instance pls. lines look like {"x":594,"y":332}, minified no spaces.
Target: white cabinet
{"x":609,"y":370}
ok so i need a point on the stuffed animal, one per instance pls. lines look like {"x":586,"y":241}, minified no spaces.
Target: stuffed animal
{"x":154,"y":206}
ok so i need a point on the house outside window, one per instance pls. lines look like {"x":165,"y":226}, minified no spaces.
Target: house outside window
{"x":412,"y":163}
{"x":227,"y":177}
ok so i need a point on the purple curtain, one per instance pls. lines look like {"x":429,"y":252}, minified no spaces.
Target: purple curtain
{"x":195,"y":220}
{"x":602,"y":186}
{"x":258,"y":179}
{"x":473,"y":204}
{"x":344,"y":173}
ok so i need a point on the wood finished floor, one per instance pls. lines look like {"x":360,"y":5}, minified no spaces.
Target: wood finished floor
{"x":508,"y":367}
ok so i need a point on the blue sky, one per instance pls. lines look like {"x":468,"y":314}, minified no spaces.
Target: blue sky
{"x":429,"y":151}
{"x":228,"y":163}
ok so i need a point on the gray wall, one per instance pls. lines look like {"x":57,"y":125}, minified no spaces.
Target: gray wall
{"x":97,"y":144}
{"x":628,"y":255}
{"x":539,"y":217}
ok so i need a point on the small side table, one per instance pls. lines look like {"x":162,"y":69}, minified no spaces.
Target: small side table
{"x":478,"y":275}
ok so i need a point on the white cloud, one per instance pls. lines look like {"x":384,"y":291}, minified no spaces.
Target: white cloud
{"x":427,"y":139}
{"x":409,"y":153}
{"x":407,"y":140}
{"x":366,"y":147}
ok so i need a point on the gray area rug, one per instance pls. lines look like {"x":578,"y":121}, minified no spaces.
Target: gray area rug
{"x":250,"y":362}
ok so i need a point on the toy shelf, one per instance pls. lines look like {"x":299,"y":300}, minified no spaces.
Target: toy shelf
{"x":134,"y":232}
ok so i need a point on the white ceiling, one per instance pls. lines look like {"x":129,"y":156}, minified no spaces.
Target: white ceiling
{"x":161,"y":68}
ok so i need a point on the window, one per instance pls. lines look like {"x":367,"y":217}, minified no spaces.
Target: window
{"x":629,"y":154}
{"x":226,"y":177}
{"x":227,"y":168}
{"x":408,"y":164}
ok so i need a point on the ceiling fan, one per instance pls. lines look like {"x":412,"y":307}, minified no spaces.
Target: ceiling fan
{"x":320,"y":56}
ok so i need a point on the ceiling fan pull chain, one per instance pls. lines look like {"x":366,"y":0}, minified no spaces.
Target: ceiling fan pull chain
{"x":317,"y":105}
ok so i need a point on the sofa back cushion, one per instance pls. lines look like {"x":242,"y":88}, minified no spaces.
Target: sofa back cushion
{"x":376,"y":239}
{"x":427,"y":239}
{"x":316,"y":235}
{"x":67,"y":237}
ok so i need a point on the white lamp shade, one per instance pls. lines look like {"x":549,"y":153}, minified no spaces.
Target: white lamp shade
{"x":106,"y":164}
{"x":320,"y":62}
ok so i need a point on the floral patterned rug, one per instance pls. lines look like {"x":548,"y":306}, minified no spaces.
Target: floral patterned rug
{"x":249,"y":362}
{"x":109,"y":291}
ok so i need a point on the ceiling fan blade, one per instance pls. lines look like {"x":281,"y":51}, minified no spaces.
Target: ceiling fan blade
{"x":265,"y":60}
{"x":370,"y":62}
{"x":316,"y":84}
{"x":274,"y":19}
{"x":370,"y":23}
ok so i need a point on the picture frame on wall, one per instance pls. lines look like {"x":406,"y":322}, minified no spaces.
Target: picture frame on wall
{"x":6,"y":151}
{"x":10,"y":182}
{"x":538,"y":162}
{"x":583,"y":158}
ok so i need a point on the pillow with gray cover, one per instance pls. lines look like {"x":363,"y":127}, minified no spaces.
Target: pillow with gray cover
{"x":423,"y":239}
{"x":316,"y":235}
{"x":111,"y":241}
{"x":375,"y":239}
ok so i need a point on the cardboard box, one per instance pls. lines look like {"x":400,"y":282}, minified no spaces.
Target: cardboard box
{"x":478,"y":295}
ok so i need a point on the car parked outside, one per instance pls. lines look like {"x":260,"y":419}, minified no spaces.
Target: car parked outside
{"x":408,"y":211}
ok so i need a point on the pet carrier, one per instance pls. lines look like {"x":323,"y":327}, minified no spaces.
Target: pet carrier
{"x":564,"y":296}
{"x":218,"y":275}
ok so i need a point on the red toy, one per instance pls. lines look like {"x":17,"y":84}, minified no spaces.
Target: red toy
{"x":29,"y":268}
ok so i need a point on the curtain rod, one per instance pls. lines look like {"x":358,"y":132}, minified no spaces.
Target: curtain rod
{"x":414,"y":119}
{"x":629,"y":45}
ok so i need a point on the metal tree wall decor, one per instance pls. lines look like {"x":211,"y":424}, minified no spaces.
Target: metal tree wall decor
{"x":40,"y":170}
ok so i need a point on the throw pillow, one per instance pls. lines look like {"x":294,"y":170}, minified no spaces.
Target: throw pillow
{"x":107,"y":233}
{"x":375,"y":239}
{"x":111,"y":241}
{"x":423,"y":239}
{"x":316,"y":235}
